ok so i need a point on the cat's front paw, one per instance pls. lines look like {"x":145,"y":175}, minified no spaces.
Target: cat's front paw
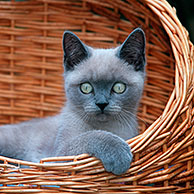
{"x":115,"y":154}
{"x":112,"y":150}
{"x":118,"y":160}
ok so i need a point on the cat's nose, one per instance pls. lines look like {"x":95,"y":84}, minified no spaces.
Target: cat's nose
{"x":102,"y":105}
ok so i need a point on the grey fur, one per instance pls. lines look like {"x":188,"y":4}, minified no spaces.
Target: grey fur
{"x":82,"y":126}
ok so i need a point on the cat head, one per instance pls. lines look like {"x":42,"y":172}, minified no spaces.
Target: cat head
{"x":104,"y":83}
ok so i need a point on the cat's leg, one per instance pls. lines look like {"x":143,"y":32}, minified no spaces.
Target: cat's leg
{"x":113,"y":151}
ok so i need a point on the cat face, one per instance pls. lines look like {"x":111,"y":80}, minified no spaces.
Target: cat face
{"x":103,"y":83}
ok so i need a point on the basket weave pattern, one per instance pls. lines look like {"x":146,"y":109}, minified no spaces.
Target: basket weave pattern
{"x":31,"y":85}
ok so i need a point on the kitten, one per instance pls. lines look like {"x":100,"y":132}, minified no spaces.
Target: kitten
{"x":103,"y":88}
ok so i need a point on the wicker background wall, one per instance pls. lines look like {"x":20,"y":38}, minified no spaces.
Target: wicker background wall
{"x":31,"y":53}
{"x":31,"y":85}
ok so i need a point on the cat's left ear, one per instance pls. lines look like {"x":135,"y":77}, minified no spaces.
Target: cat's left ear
{"x":74,"y":50}
{"x":133,"y":49}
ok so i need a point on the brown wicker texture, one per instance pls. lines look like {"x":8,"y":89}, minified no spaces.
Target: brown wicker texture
{"x":31,"y":85}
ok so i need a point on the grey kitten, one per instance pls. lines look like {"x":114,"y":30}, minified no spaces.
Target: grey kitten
{"x":103,"y":88}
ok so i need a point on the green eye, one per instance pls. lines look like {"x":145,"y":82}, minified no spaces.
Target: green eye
{"x":86,"y":88}
{"x":119,"y":88}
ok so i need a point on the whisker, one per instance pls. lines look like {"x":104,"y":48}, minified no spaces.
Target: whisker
{"x":128,"y":112}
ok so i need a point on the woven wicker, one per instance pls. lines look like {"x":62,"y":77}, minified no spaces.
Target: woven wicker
{"x":31,"y":85}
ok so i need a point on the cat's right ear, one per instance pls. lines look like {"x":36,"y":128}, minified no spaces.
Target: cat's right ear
{"x":74,"y":50}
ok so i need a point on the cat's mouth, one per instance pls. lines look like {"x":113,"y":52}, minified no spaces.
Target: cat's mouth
{"x":102,"y":115}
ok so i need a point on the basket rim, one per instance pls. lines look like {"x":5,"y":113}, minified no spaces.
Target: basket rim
{"x":184,"y":74}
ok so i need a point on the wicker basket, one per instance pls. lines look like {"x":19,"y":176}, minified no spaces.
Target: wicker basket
{"x":31,"y":85}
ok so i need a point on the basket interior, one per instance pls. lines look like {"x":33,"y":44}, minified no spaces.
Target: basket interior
{"x":31,"y":81}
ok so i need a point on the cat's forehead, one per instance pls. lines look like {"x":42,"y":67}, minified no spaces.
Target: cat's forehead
{"x":103,"y":64}
{"x":103,"y":61}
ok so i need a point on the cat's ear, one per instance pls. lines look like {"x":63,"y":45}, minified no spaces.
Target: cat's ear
{"x":133,"y":49}
{"x":74,"y":50}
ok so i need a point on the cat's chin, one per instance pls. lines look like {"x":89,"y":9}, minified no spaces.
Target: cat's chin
{"x":102,"y":117}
